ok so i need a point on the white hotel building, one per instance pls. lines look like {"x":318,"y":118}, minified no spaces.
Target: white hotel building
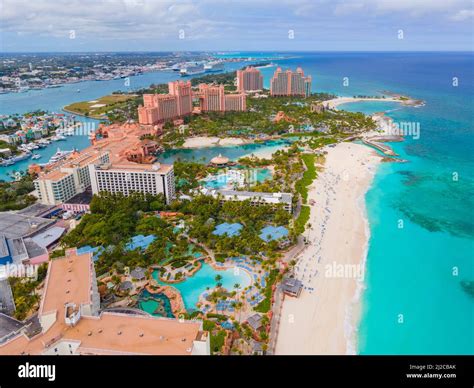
{"x":67,"y":178}
{"x":132,"y":177}
{"x":285,"y":200}
{"x":94,"y":169}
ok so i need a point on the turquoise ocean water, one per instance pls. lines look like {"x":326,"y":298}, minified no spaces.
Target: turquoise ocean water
{"x":409,"y":270}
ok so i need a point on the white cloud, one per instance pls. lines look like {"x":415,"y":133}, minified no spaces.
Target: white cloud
{"x":462,"y":15}
{"x":107,"y":18}
{"x":408,"y":8}
{"x":227,"y":21}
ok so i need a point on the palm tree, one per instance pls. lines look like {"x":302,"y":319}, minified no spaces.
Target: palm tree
{"x":236,"y":286}
{"x":218,"y":278}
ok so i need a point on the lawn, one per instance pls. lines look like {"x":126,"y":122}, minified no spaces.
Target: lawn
{"x":110,"y":102}
{"x":265,"y":305}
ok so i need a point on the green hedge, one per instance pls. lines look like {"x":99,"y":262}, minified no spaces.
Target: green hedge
{"x":308,"y":177}
{"x":302,"y":219}
{"x":265,"y":305}
{"x":219,"y":317}
{"x":217,"y":341}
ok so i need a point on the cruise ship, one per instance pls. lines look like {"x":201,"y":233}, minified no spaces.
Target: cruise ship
{"x":192,"y":69}
{"x":215,"y":66}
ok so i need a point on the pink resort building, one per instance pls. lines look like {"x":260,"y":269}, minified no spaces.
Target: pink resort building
{"x":289,"y":83}
{"x":212,"y":98}
{"x":249,"y":79}
{"x":163,"y":107}
{"x":158,"y":108}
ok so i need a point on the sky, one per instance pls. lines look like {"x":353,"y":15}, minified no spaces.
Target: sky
{"x":239,"y":25}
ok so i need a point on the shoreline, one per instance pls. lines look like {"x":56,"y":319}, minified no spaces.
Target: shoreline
{"x":335,"y":102}
{"x":324,"y":319}
{"x":82,"y":114}
{"x":354,"y":309}
{"x":212,"y":141}
{"x":265,"y":153}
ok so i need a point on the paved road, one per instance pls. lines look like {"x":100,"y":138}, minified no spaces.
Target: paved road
{"x":275,"y":323}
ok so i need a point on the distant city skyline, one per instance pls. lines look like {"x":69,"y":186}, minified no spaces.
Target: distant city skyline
{"x":259,"y":25}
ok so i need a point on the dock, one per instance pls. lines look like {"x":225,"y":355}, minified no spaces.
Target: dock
{"x":381,"y":147}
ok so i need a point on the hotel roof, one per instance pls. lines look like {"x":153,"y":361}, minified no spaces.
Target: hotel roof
{"x":7,"y":303}
{"x":115,"y":333}
{"x":273,"y":197}
{"x":81,"y":159}
{"x":121,"y":140}
{"x":137,"y":167}
{"x":49,"y":236}
{"x":15,"y":225}
{"x":54,"y":175}
{"x":35,"y":210}
{"x":69,"y":280}
{"x":83,"y":198}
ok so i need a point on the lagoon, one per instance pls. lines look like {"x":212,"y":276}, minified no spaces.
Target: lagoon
{"x":205,"y":154}
{"x":205,"y":278}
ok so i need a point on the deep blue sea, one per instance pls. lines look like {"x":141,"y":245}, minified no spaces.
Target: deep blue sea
{"x":413,"y":302}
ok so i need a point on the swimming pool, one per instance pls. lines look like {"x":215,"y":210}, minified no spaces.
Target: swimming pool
{"x":193,"y":287}
{"x":157,"y":305}
{"x":237,"y":177}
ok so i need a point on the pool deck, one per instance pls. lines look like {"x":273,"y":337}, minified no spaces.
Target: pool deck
{"x":174,"y":291}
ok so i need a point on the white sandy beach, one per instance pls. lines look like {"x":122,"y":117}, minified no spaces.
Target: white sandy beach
{"x":322,"y":319}
{"x":335,"y":102}
{"x":267,"y":152}
{"x":211,"y":141}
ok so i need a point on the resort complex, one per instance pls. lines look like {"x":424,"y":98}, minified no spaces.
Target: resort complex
{"x":233,"y":178}
{"x":138,"y":256}
{"x":193,"y":222}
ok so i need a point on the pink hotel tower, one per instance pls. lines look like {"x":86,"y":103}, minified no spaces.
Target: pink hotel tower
{"x":290,"y":83}
{"x":158,"y":108}
{"x":162,"y":107}
{"x":249,"y":79}
{"x":212,"y":98}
